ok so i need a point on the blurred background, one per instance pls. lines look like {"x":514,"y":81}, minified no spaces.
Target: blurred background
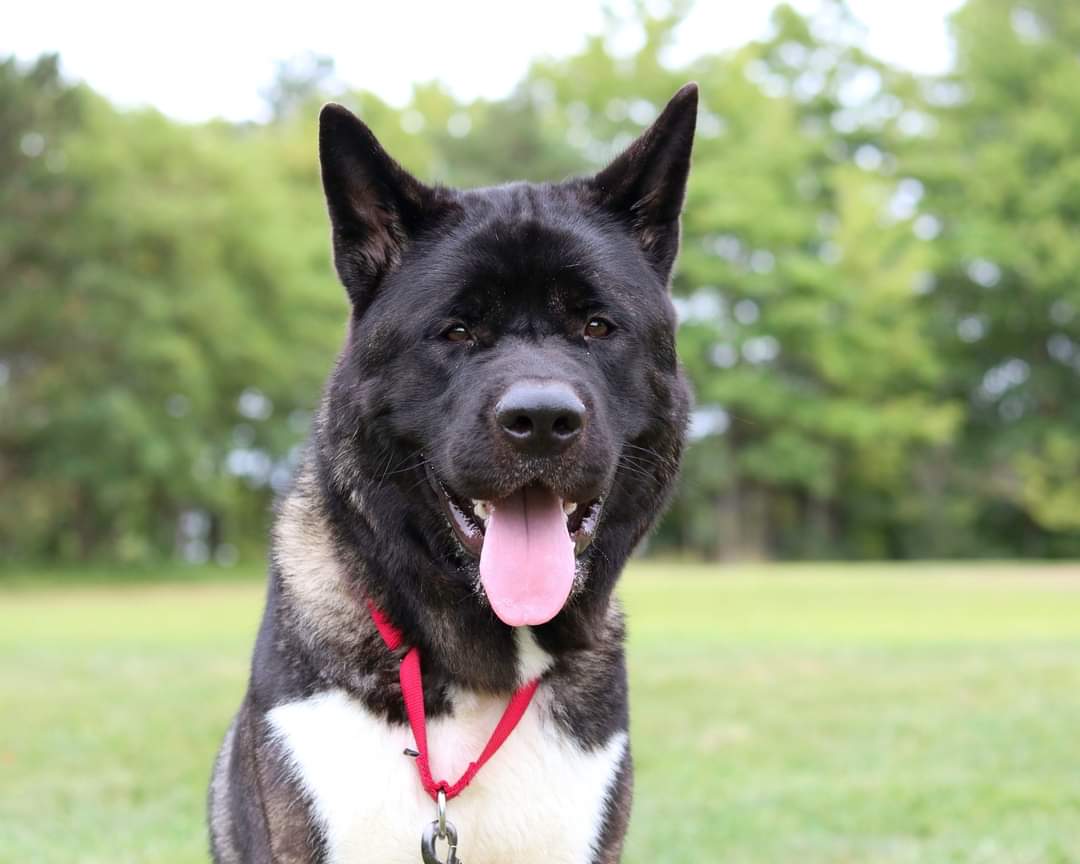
{"x":880,"y":313}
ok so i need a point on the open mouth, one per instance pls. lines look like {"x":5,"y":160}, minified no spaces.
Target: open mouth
{"x":527,"y":543}
{"x":469,"y":519}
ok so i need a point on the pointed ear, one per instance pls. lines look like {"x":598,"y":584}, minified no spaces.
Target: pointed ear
{"x":376,"y":207}
{"x":646,"y":184}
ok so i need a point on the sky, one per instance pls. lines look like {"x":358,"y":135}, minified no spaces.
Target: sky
{"x":205,"y":59}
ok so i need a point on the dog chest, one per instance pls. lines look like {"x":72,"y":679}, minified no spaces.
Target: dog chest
{"x":541,"y":798}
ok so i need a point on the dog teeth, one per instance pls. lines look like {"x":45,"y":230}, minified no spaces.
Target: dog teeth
{"x":569,"y":507}
{"x":482,"y":509}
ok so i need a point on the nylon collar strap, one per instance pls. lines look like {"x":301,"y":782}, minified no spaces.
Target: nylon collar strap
{"x":412,"y":691}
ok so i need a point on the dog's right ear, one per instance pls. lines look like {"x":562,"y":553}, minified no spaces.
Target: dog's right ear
{"x":375,"y":205}
{"x":646,"y":184}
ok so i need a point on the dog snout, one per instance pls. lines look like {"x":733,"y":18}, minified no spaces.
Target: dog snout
{"x":540,"y":418}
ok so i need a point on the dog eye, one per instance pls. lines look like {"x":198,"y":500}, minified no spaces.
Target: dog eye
{"x":457,"y":333}
{"x":598,"y":328}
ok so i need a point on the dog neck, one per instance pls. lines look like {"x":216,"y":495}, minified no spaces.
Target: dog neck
{"x":328,"y":569}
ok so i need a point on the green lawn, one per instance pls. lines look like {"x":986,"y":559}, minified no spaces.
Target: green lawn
{"x":781,"y":714}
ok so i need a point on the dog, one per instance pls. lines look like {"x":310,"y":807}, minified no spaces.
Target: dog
{"x":502,"y":427}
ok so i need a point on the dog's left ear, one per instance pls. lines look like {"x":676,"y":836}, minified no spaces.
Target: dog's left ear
{"x":376,"y":206}
{"x":646,"y":184}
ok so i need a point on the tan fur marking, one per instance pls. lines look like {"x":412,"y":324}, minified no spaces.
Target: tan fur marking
{"x":311,"y":572}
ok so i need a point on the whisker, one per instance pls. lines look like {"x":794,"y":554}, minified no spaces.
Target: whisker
{"x":420,"y":464}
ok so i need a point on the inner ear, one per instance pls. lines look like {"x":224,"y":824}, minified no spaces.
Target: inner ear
{"x":376,"y":207}
{"x":646,"y":184}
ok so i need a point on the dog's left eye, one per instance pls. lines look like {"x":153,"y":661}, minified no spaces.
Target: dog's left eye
{"x":457,"y":333}
{"x":598,"y":328}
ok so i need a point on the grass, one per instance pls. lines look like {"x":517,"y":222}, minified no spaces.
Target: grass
{"x":781,"y":714}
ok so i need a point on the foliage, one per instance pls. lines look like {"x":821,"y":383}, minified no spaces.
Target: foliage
{"x":880,"y":312}
{"x":164,"y":301}
{"x":1003,"y":176}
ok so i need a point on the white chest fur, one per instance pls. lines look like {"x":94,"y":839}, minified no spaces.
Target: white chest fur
{"x":539,"y":799}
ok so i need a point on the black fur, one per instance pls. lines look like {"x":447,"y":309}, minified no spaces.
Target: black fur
{"x":522,"y":268}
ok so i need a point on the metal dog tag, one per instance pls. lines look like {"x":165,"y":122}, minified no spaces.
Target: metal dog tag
{"x":427,"y":843}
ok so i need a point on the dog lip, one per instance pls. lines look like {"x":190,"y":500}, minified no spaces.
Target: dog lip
{"x":583,"y":522}
{"x":468,"y":528}
{"x":467,"y":518}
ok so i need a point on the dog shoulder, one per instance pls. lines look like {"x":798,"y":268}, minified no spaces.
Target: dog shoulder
{"x":258,"y":810}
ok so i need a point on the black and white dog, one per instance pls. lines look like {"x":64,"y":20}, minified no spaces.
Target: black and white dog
{"x":503,"y":425}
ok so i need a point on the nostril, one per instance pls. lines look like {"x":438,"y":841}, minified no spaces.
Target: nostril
{"x":566,"y":425}
{"x":520,"y":425}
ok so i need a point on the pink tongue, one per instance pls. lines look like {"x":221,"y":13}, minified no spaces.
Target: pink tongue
{"x":527,"y":561}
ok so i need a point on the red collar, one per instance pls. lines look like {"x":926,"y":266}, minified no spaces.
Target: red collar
{"x":412,"y":691}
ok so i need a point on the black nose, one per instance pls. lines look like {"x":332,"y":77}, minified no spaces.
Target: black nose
{"x":541,"y":418}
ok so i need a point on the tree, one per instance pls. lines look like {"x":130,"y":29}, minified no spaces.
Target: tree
{"x":164,"y":317}
{"x":1003,"y":176}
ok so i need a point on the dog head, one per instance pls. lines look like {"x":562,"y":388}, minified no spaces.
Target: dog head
{"x":508,"y":412}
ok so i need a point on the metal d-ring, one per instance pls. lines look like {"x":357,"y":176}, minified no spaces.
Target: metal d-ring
{"x":440,"y":810}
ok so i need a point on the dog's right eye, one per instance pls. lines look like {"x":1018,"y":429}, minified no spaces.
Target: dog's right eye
{"x":457,"y":333}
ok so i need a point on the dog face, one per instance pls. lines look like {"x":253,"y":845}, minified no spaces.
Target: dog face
{"x":508,"y":410}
